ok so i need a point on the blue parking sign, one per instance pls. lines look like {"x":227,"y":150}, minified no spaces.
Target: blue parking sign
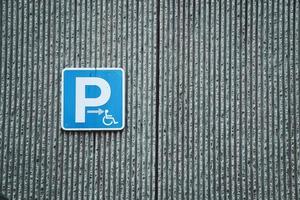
{"x":93,"y":99}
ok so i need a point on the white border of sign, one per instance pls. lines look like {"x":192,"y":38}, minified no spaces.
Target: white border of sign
{"x":92,"y":129}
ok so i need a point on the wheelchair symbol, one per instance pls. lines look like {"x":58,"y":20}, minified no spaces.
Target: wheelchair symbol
{"x":108,"y":119}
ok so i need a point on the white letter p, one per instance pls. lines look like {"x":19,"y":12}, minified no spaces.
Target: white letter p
{"x":82,"y":102}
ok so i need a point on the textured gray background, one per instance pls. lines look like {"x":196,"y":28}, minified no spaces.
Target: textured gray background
{"x":39,"y":39}
{"x":223,"y":124}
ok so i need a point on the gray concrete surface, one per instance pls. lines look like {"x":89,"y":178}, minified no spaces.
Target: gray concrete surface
{"x":229,"y":99}
{"x":229,"y":114}
{"x":39,"y":39}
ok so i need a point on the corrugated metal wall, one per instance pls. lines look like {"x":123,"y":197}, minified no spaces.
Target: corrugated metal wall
{"x":213,"y":99}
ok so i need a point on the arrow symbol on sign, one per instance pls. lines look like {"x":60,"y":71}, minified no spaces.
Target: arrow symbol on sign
{"x":99,"y":111}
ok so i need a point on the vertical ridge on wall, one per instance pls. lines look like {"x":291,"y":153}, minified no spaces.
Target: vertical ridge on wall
{"x":229,"y":111}
{"x":38,"y":40}
{"x":212,"y":99}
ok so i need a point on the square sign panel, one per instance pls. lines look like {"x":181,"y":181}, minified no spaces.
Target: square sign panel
{"x":93,"y":99}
